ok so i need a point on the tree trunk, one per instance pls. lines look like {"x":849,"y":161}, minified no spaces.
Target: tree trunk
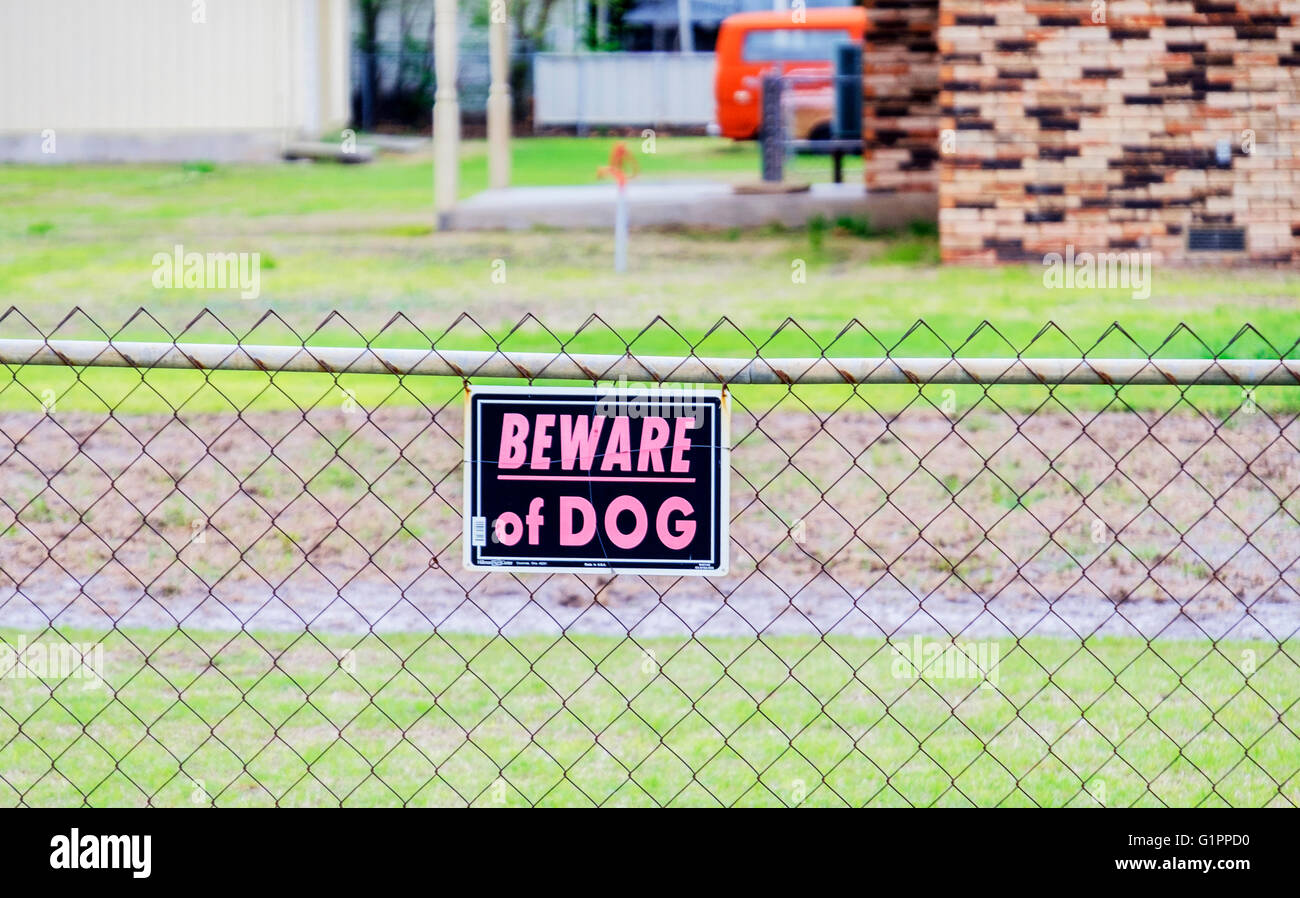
{"x":370,"y":10}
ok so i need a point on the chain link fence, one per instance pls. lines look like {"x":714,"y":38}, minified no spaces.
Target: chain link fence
{"x":980,"y":573}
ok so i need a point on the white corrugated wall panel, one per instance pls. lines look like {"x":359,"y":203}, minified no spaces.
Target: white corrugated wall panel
{"x":623,"y":88}
{"x":145,"y":66}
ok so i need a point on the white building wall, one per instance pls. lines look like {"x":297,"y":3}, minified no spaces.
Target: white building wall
{"x":144,"y":79}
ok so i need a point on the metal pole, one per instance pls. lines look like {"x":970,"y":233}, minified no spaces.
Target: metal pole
{"x":666,"y":369}
{"x":685,"y":30}
{"x":773,"y":128}
{"x":446,"y":113}
{"x":620,"y":231}
{"x":602,"y":23}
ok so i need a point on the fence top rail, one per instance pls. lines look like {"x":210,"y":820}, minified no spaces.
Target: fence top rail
{"x":662,"y":369}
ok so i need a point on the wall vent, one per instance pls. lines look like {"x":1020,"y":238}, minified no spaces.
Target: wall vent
{"x":1216,"y":240}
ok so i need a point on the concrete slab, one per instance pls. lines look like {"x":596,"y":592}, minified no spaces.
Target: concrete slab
{"x":90,"y":146}
{"x":397,"y":143}
{"x":696,"y":204}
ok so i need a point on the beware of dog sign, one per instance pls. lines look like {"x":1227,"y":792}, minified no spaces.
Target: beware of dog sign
{"x":582,"y":480}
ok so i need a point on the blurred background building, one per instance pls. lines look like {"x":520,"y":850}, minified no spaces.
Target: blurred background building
{"x":162,"y":79}
{"x":575,"y":64}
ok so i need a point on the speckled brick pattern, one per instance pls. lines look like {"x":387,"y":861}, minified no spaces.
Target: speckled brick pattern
{"x":1122,"y":126}
{"x":901,"y":103}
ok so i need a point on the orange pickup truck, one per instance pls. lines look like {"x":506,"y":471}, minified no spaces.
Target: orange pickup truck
{"x":800,"y":43}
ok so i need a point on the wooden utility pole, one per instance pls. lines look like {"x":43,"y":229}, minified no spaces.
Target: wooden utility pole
{"x":446,"y":112}
{"x":498,"y":103}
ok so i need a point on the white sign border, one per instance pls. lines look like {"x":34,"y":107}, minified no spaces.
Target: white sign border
{"x":668,"y":393}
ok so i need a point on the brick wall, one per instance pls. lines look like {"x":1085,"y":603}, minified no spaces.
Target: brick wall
{"x":901,"y":104}
{"x":1127,"y":133}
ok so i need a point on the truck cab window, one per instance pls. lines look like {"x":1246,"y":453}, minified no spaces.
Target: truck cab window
{"x":793,"y":44}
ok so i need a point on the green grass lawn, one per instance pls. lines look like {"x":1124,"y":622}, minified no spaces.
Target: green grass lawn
{"x":297,"y":719}
{"x":358,"y":240}
{"x":41,"y":199}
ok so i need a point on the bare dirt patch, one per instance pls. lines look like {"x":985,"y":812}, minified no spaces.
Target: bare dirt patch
{"x":1123,"y":523}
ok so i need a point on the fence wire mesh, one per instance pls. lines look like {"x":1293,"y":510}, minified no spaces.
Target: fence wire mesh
{"x":244,"y":587}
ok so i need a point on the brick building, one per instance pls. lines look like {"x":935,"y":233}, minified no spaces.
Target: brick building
{"x":1167,"y":127}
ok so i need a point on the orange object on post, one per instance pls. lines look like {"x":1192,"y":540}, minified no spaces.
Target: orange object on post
{"x":619,"y":159}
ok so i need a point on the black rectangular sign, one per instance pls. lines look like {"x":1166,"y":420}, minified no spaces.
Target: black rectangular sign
{"x":625,"y":479}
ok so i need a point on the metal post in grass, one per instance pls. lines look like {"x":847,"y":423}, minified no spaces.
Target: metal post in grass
{"x":619,"y":163}
{"x":773,"y":129}
{"x":620,"y":231}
